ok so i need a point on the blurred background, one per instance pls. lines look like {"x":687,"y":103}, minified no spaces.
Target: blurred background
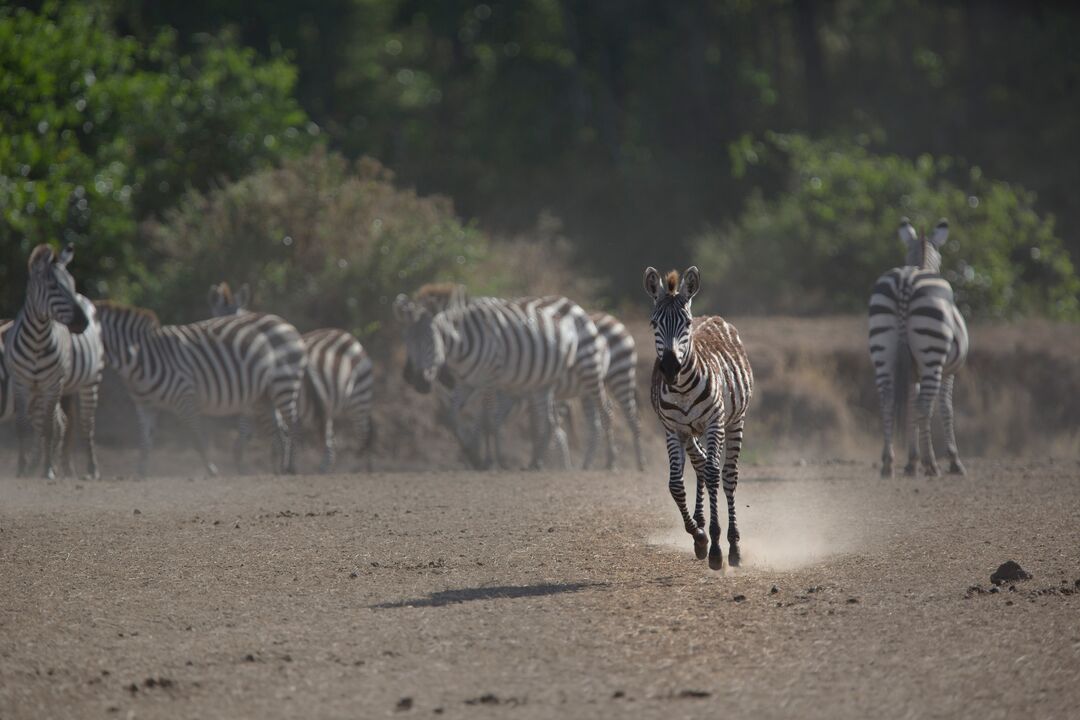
{"x":335,"y":153}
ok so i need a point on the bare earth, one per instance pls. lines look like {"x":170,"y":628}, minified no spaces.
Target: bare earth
{"x":539,"y":595}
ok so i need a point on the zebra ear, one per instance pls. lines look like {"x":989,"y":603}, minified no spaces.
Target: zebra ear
{"x":691,"y":282}
{"x":653,"y":285}
{"x":906,"y":232}
{"x":213,"y":297}
{"x":66,"y":255}
{"x":403,"y":308}
{"x":242,"y":296}
{"x":940,"y":234}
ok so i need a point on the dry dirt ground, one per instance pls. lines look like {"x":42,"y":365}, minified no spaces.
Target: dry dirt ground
{"x":539,"y":595}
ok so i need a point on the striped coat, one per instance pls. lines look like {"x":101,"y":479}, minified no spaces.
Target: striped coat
{"x":339,"y":380}
{"x":701,"y":388}
{"x":916,"y":333}
{"x":250,"y":364}
{"x":46,"y":359}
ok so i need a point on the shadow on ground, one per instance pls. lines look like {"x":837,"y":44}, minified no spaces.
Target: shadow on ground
{"x":498,"y":592}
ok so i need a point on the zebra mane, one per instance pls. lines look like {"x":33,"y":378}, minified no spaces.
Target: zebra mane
{"x":226,"y":292}
{"x":437,"y":297}
{"x":39,"y":252}
{"x":672,"y":282}
{"x":149,"y":317}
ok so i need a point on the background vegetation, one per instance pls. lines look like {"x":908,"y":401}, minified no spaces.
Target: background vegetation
{"x":774,"y":143}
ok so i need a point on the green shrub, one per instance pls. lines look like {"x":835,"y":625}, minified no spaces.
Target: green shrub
{"x":819,"y":246}
{"x":320,"y":241}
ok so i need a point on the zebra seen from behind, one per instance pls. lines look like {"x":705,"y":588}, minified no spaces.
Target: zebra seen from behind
{"x":47,"y":358}
{"x":339,"y":381}
{"x":701,"y":389}
{"x":239,"y":365}
{"x":917,"y":334}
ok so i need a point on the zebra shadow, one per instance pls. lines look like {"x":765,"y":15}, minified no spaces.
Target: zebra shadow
{"x":497,"y":592}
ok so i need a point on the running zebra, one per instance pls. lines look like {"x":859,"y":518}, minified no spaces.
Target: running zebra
{"x":338,"y":381}
{"x":245,"y":364}
{"x":917,"y":333}
{"x":52,"y":349}
{"x":520,"y":347}
{"x":701,"y":388}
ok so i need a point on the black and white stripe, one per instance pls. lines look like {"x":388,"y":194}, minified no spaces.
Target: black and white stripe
{"x":240,"y":365}
{"x":339,"y":381}
{"x":522,"y":347}
{"x":46,"y":358}
{"x":917,"y":334}
{"x":621,"y":377}
{"x":701,"y":388}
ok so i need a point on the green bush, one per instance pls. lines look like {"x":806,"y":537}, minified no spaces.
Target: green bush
{"x":819,"y":246}
{"x":97,"y":132}
{"x":320,"y":241}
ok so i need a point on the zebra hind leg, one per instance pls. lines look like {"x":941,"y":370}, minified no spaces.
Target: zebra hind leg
{"x":885,"y":394}
{"x":945,"y":402}
{"x":87,"y":412}
{"x":927,"y":398}
{"x":908,"y":423}
{"x":732,"y":448}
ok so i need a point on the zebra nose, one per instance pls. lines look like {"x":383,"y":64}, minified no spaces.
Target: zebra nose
{"x":78,"y":324}
{"x":669,"y":365}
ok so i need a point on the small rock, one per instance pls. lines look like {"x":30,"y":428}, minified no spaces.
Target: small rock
{"x":773,"y":590}
{"x":236,"y":526}
{"x":995,"y":589}
{"x":353,"y":574}
{"x":738,"y":598}
{"x":1008,"y":571}
{"x":694,"y":694}
{"x":137,"y":511}
{"x":249,"y":658}
{"x":618,"y":694}
{"x":438,"y":711}
{"x":852,"y":601}
{"x":404,"y":703}
{"x":133,"y":688}
{"x":1008,"y":602}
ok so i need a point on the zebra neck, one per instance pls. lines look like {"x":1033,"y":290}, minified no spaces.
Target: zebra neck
{"x":34,"y":323}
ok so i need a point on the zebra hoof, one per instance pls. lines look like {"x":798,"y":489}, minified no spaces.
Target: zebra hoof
{"x":733,"y":556}
{"x":931,"y":470}
{"x":95,"y":475}
{"x":909,"y":470}
{"x":49,"y":474}
{"x":957,"y":468}
{"x":701,"y":544}
{"x":886,"y":472}
{"x":716,"y":558}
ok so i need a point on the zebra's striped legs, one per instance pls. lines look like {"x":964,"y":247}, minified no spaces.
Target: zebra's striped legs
{"x":598,"y":418}
{"x":147,"y":417}
{"x":44,"y":426}
{"x":65,"y":420}
{"x":885,"y":394}
{"x":714,"y":443}
{"x":945,"y":402}
{"x":628,"y":404}
{"x":87,"y":413}
{"x":697,"y":458}
{"x":23,"y":413}
{"x":907,"y":423}
{"x":924,"y":408}
{"x":732,"y":448}
{"x":543,"y":403}
{"x":327,"y":463}
{"x":676,"y":462}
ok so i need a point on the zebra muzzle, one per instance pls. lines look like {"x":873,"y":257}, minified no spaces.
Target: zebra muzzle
{"x":670,"y":365}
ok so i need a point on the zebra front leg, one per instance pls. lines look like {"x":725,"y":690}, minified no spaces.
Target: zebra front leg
{"x":676,"y":463}
{"x":23,"y":431}
{"x":147,"y":419}
{"x":697,"y":458}
{"x":65,"y":421}
{"x":732,"y":448}
{"x":327,"y":463}
{"x":714,"y":441}
{"x":44,"y":423}
{"x":927,"y":398}
{"x":87,"y":411}
{"x":189,"y":416}
{"x":544,"y":412}
{"x":945,"y":402}
{"x":629,"y":409}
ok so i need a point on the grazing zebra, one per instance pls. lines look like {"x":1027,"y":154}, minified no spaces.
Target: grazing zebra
{"x":620,"y":378}
{"x":47,"y":358}
{"x":244,"y":364}
{"x":701,"y":388}
{"x":520,"y":347}
{"x":916,"y":329}
{"x":338,"y":381}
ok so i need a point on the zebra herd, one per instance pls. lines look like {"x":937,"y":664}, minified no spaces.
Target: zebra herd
{"x":541,"y":353}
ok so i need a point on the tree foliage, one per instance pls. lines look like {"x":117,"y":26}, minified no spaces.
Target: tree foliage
{"x":819,"y":245}
{"x":98,"y":131}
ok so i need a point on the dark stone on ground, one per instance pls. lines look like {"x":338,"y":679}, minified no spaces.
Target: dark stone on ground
{"x":1009,"y":571}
